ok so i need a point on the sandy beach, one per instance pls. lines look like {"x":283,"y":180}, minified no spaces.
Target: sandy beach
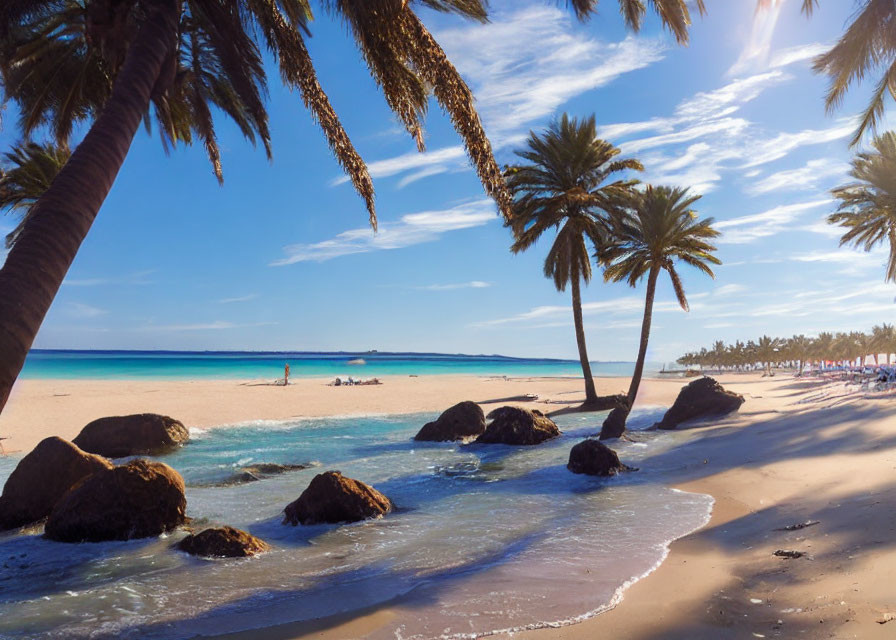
{"x":798,"y":451}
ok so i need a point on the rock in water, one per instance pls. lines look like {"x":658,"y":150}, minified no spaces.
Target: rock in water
{"x":700,"y":399}
{"x":139,"y":434}
{"x":463,"y":420}
{"x":607,"y":403}
{"x":272,"y":468}
{"x":223,"y":542}
{"x":331,"y":497}
{"x":614,"y":425}
{"x":515,"y":425}
{"x":594,"y":458}
{"x":41,"y":478}
{"x":136,"y":500}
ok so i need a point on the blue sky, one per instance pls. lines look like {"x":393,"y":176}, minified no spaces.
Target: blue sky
{"x":280,"y":257}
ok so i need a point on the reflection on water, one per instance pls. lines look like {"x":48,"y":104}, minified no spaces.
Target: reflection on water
{"x":485,"y":537}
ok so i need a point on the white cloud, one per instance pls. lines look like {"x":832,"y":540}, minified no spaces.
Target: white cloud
{"x":804,"y":178}
{"x":204,"y":326}
{"x":246,"y":298}
{"x":474,"y":284}
{"x":516,"y":85}
{"x":758,"y":46}
{"x":411,"y":229}
{"x":136,"y":278}
{"x":746,"y":229}
{"x":81,"y":310}
{"x":799,"y":53}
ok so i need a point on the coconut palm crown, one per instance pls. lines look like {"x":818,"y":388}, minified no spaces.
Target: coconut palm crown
{"x":26,"y":172}
{"x":868,"y":206}
{"x":654,"y":228}
{"x":565,"y":187}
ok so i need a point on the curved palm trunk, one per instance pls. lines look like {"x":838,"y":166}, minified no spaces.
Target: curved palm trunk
{"x":59,"y":222}
{"x":590,"y":392}
{"x":645,"y":336}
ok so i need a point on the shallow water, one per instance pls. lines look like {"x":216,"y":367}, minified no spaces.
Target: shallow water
{"x":486,"y":537}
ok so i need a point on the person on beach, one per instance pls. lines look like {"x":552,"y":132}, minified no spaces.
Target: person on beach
{"x":286,"y":375}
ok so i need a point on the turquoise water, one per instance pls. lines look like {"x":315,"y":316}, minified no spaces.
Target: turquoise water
{"x":485,"y":537}
{"x":246,"y":365}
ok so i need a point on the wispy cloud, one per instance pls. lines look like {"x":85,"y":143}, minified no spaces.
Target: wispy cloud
{"x":246,"y":298}
{"x":473,"y":284}
{"x":411,"y":229}
{"x":799,"y":53}
{"x":81,"y":310}
{"x":217,"y":325}
{"x":517,"y":85}
{"x":746,"y":229}
{"x":136,"y":278}
{"x":804,"y":178}
{"x":758,"y":46}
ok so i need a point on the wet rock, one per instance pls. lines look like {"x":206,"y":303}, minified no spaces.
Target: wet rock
{"x":701,"y":398}
{"x":594,"y":458}
{"x":136,"y":500}
{"x":331,"y":498}
{"x":139,"y":434}
{"x":223,"y":542}
{"x":463,"y":420}
{"x":515,"y":425}
{"x":607,"y":403}
{"x":272,"y":468}
{"x":41,"y":478}
{"x":614,"y":425}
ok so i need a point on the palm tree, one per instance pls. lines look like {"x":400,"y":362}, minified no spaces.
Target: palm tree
{"x":564,"y":187}
{"x":107,"y":62}
{"x":29,"y":170}
{"x":655,"y":228}
{"x":868,"y":206}
{"x":868,"y":44}
{"x":883,"y":337}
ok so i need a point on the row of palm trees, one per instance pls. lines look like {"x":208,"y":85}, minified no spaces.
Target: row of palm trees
{"x":632,"y":231}
{"x":824,"y":350}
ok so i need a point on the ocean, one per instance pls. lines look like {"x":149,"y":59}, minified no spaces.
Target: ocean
{"x":180,"y":365}
{"x":484,"y":538}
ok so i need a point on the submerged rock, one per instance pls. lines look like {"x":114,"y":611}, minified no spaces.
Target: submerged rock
{"x":463,"y":420}
{"x":331,"y":498}
{"x":139,"y":434}
{"x":515,"y":425}
{"x":272,"y":468}
{"x":594,"y":458}
{"x":614,"y":425}
{"x":701,"y":398}
{"x":223,"y":542}
{"x":41,"y":478}
{"x":136,"y":500}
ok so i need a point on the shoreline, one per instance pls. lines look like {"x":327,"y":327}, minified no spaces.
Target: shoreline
{"x":799,"y":450}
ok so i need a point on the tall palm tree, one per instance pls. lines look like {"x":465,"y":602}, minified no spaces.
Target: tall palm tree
{"x":26,"y":174}
{"x":565,"y":187}
{"x":883,"y":337}
{"x":106,"y":62}
{"x":655,"y":228}
{"x":868,"y":206}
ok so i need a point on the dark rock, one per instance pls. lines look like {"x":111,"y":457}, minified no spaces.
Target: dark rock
{"x":594,"y":458}
{"x":139,"y":434}
{"x":515,"y":425}
{"x":463,"y":420}
{"x":223,"y":542}
{"x":701,"y":398}
{"x":331,"y":497}
{"x":41,"y":478}
{"x":607,"y":403}
{"x":614,"y":425}
{"x":136,"y":500}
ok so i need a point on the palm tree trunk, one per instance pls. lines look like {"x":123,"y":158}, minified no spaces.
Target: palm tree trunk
{"x":645,"y":336}
{"x":590,"y":392}
{"x":43,"y":253}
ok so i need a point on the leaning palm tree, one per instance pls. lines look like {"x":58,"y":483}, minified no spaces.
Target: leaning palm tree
{"x":565,"y":187}
{"x":655,"y":228}
{"x":105,"y":63}
{"x":26,"y":174}
{"x":868,"y":206}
